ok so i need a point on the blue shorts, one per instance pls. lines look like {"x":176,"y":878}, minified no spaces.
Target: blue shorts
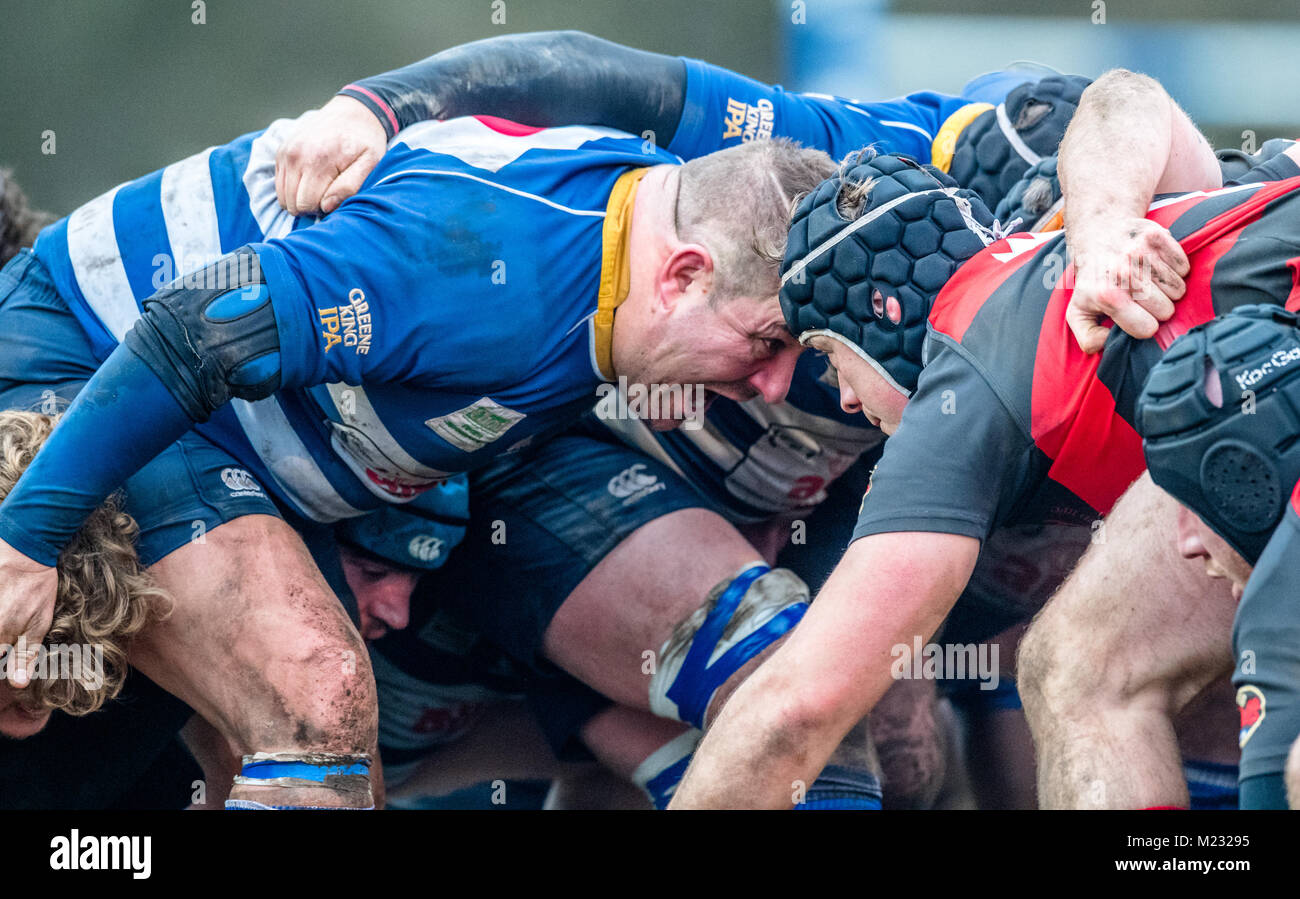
{"x":45,"y":358}
{"x":540,"y":521}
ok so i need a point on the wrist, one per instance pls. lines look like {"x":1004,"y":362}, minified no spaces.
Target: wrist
{"x":374,"y":105}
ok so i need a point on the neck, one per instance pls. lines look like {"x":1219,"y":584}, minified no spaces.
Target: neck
{"x":650,"y":242}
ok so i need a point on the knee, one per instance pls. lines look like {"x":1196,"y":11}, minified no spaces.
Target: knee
{"x":328,"y":691}
{"x":1293,"y":776}
{"x":713,"y":650}
{"x":1035,"y":661}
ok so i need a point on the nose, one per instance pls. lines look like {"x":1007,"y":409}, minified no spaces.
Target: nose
{"x":849,"y":401}
{"x":1189,"y":542}
{"x":772,"y":380}
{"x":390,"y":600}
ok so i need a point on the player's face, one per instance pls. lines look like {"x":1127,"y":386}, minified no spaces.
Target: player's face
{"x":383,"y":593}
{"x":862,"y":389}
{"x":16,"y":720}
{"x":1196,"y":540}
{"x":739,"y":349}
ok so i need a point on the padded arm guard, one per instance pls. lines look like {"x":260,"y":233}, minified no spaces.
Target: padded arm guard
{"x":212,"y":335}
{"x":546,"y":78}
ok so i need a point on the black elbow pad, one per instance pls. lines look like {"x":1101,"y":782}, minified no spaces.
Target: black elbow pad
{"x":211,"y":335}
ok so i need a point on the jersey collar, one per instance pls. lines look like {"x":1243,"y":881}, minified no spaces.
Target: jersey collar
{"x":615,"y":267}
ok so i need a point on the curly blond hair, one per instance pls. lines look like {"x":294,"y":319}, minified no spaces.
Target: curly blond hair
{"x":104,"y":598}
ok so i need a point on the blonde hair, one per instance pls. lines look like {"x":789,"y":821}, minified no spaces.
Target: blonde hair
{"x":104,"y":596}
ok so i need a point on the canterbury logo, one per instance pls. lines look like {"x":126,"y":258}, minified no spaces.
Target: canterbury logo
{"x":239,"y":480}
{"x":630,"y":480}
{"x":425,"y":547}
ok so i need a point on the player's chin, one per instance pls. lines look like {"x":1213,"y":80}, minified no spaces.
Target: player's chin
{"x":664,"y":424}
{"x":17,"y":723}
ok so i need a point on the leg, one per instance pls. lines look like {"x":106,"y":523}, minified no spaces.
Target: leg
{"x":1134,"y":633}
{"x":259,"y":646}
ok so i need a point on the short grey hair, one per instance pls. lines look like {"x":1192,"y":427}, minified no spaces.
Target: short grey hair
{"x":737,"y":204}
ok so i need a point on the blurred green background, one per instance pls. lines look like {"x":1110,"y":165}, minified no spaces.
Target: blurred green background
{"x":130,"y":85}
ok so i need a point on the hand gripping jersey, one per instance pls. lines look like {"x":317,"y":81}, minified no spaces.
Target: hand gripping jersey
{"x":425,"y":326}
{"x":753,"y":460}
{"x":1011,"y":421}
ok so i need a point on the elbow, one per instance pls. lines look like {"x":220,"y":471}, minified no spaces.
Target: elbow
{"x":1118,"y":87}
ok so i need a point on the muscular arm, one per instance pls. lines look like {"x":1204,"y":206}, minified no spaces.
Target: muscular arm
{"x":545,"y":78}
{"x":1128,"y":141}
{"x":784,"y":722}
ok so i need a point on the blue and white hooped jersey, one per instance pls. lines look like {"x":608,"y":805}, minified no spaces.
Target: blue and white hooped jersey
{"x":437,"y":319}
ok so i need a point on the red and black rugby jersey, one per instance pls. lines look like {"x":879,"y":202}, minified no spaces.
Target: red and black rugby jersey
{"x":1011,"y":422}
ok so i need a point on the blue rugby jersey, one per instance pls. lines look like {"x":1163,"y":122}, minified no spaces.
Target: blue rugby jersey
{"x":722,"y":109}
{"x":458,"y":286}
{"x":751,"y":460}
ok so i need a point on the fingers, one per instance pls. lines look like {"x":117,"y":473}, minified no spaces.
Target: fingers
{"x":347,"y":183}
{"x":1088,"y":332}
{"x":20,"y":660}
{"x":317,"y":175}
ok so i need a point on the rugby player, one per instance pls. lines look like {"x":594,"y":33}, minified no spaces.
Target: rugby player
{"x":918,"y":317}
{"x":607,"y":598}
{"x":1219,"y":418}
{"x":300,"y":365}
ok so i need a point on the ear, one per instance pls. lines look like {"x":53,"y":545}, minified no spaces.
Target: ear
{"x":687,"y":271}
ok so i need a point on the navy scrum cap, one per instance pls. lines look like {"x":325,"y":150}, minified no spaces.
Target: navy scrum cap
{"x":1220,"y":421}
{"x":417,"y":535}
{"x":998,"y":148}
{"x":914,"y":231}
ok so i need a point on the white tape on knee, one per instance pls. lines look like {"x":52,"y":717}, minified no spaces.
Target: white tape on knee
{"x":768,"y":596}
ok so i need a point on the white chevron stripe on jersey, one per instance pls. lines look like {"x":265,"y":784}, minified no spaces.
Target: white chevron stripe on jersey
{"x":190,"y":213}
{"x":284,"y":455}
{"x":364,"y":443}
{"x":259,"y":181}
{"x":97,"y":265}
{"x":482,"y":146}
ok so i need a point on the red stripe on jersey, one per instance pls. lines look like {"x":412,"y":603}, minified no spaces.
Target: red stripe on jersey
{"x":1293,"y":298}
{"x":964,"y":295}
{"x":1197,"y":304}
{"x":1095,"y":454}
{"x":507,"y":127}
{"x":1295,"y":499}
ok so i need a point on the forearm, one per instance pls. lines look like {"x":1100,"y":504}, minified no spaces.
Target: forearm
{"x":1127,"y":142}
{"x":779,"y":728}
{"x":545,"y":78}
{"x":767,"y":741}
{"x":192,"y":349}
{"x":122,"y":418}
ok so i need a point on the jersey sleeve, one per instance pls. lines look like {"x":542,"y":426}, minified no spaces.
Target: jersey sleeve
{"x":723,"y":109}
{"x":956,"y":461}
